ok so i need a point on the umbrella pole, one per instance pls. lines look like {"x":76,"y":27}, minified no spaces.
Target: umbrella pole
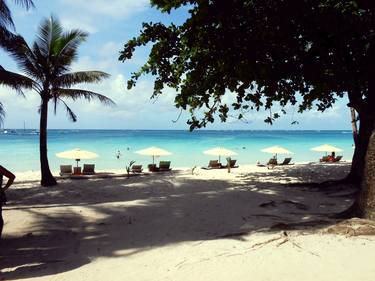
{"x":153,"y":159}
{"x":219,"y":158}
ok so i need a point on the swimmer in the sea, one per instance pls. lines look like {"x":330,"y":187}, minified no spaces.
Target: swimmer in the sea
{"x":118,"y":154}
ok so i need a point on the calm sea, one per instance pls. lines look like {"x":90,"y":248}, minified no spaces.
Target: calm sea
{"x":19,"y":150}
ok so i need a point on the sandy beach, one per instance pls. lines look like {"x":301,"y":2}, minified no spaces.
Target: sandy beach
{"x":209,"y":225}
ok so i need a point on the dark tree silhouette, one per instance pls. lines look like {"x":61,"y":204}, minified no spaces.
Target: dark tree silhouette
{"x":269,"y":53}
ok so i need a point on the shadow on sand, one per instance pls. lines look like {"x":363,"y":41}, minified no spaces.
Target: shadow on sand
{"x":123,"y":217}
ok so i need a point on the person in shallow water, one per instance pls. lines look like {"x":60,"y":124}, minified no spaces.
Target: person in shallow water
{"x":118,"y":154}
{"x":11,"y":177}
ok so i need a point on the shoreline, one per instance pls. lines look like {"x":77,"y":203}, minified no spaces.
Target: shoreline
{"x":34,"y":176}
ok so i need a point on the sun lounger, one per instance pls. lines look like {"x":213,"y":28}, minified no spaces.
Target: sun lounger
{"x":164,"y":166}
{"x":272,"y":163}
{"x":66,"y":170}
{"x":286,"y":161}
{"x":214,"y":164}
{"x":324,"y":159}
{"x":152,"y":168}
{"x":137,"y":169}
{"x":232,"y":164}
{"x":338,"y":158}
{"x":88,"y":169}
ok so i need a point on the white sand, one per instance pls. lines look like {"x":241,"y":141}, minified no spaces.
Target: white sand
{"x":170,"y":226}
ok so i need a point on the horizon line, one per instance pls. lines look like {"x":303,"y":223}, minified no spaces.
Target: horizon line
{"x":202,"y":129}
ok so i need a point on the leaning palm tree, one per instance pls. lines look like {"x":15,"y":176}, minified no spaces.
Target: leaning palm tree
{"x":8,"y":78}
{"x":47,"y":63}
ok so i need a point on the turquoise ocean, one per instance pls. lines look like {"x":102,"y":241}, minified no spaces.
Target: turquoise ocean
{"x":19,"y":150}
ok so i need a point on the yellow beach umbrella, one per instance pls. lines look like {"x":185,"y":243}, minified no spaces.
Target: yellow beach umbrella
{"x":219,"y":151}
{"x":326,"y":148}
{"x":276,"y":150}
{"x":154,"y":152}
{"x":77,"y":154}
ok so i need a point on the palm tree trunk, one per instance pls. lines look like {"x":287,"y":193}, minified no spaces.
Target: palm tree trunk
{"x":366,"y":202}
{"x":366,"y":127}
{"x":354,"y":125}
{"x":366,"y":117}
{"x":47,"y":177}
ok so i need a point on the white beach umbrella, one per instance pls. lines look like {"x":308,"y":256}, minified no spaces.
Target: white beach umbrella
{"x":154,"y":152}
{"x":276,"y":150}
{"x":77,"y":154}
{"x":220,"y":151}
{"x":326,"y":148}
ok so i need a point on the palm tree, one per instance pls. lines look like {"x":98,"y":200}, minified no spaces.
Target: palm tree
{"x":47,"y":64}
{"x":8,"y":78}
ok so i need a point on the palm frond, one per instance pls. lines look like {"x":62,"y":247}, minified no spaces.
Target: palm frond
{"x":49,"y":33}
{"x":69,"y":79}
{"x":71,"y":115}
{"x":20,"y":51}
{"x":4,"y":34}
{"x":2,"y":113}
{"x":66,"y":49}
{"x":70,"y":41}
{"x":57,"y":47}
{"x":15,"y":81}
{"x":55,"y":103}
{"x":28,"y":4}
{"x":76,"y":94}
{"x":5,"y":16}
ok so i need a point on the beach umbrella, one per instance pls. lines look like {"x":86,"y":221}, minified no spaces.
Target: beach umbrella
{"x":77,"y":154}
{"x":326,"y":148}
{"x":220,"y":151}
{"x":276,"y":150}
{"x":154,"y":152}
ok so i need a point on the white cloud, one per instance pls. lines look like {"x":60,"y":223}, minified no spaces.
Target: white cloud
{"x":109,"y":48}
{"x":83,"y":23}
{"x":113,"y":8}
{"x":86,"y":63}
{"x":138,"y":100}
{"x":95,"y":14}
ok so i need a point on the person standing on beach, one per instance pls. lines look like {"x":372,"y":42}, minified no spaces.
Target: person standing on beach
{"x":11,"y":177}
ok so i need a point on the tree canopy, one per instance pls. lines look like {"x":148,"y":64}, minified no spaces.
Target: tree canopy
{"x":267,"y":52}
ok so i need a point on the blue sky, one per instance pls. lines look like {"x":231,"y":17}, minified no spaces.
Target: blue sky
{"x":111,"y":24}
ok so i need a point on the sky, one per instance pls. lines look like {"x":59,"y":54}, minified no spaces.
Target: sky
{"x":110,"y":25}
